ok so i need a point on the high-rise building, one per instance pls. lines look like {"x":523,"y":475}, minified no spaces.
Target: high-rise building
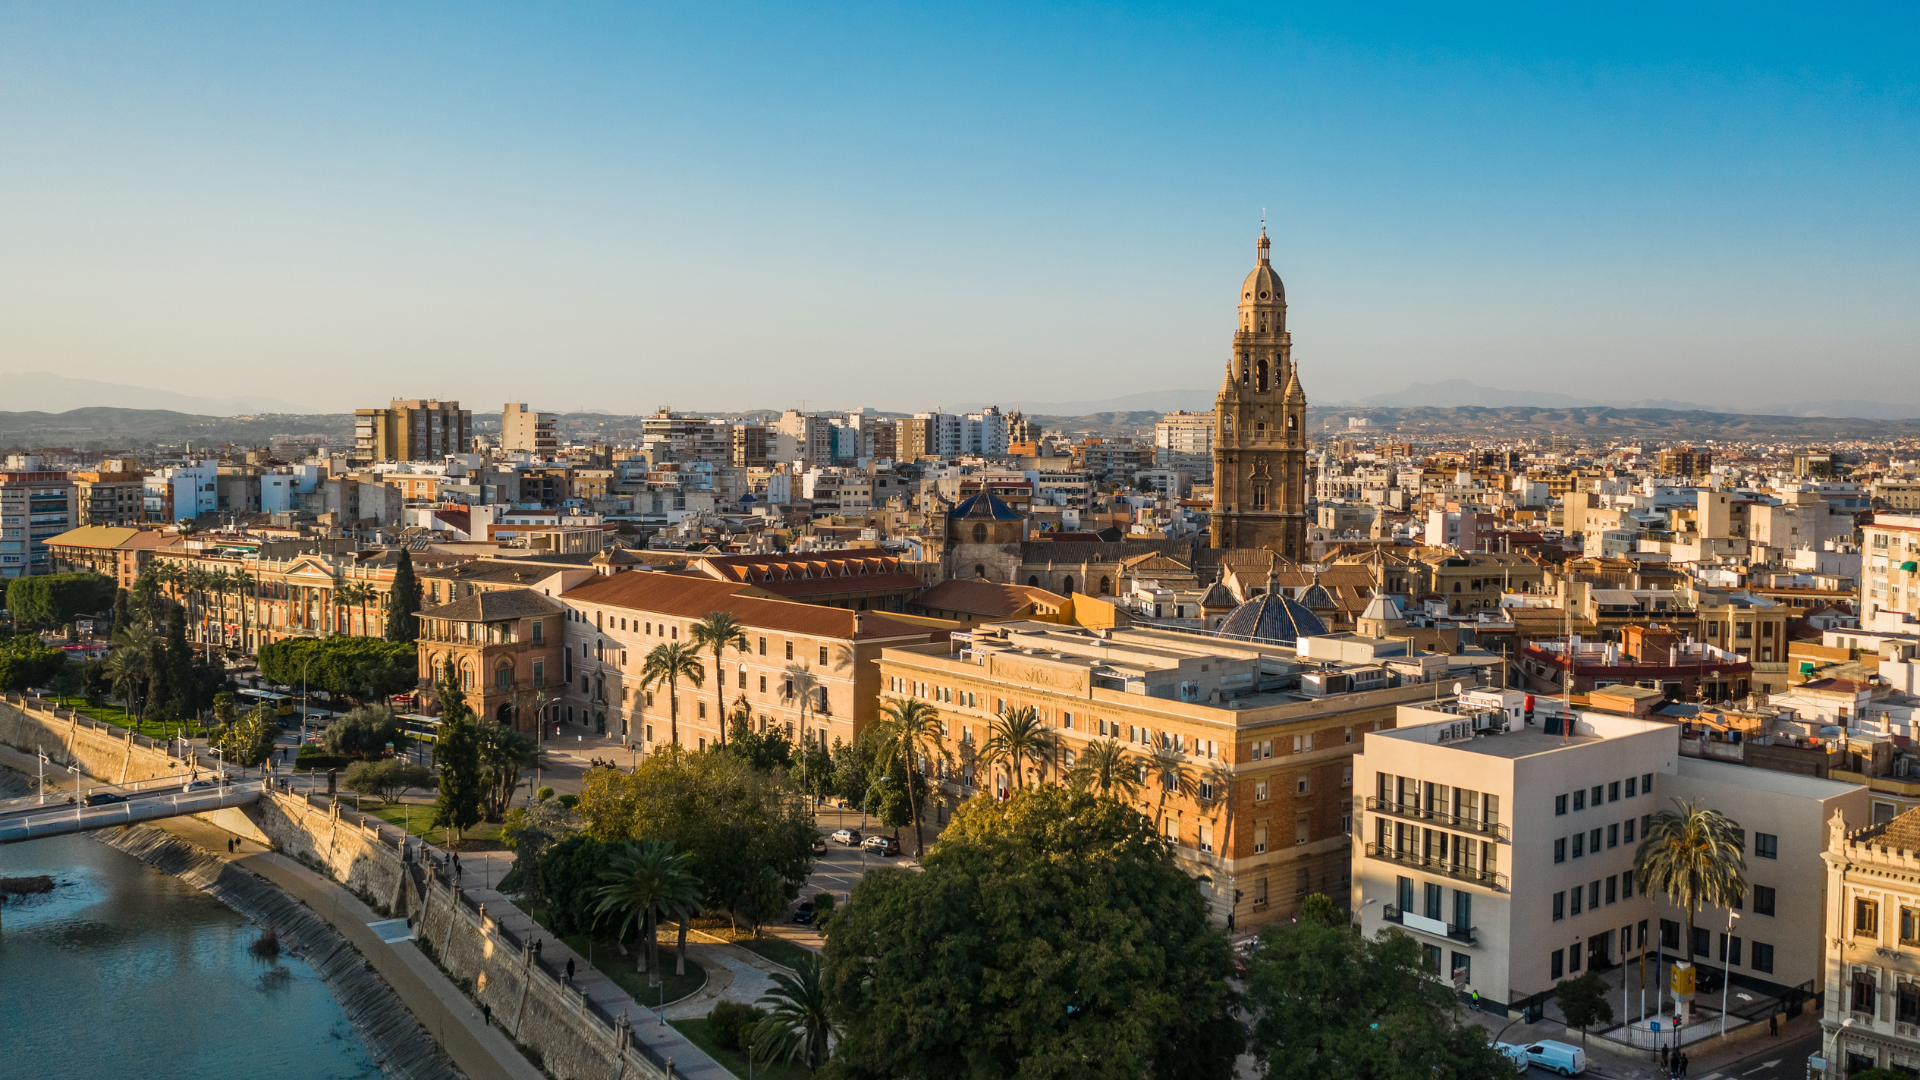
{"x":750,"y":446}
{"x":1260,"y":441}
{"x":1685,"y":461}
{"x":416,"y":430}
{"x":527,"y":432}
{"x":1184,"y":440}
{"x":35,"y":504}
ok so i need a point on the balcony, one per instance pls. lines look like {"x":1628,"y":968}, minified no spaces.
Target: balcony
{"x":1488,"y":879}
{"x":1413,"y":813}
{"x":1466,"y":935}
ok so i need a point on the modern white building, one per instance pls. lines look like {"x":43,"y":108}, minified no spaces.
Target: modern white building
{"x":183,"y":491}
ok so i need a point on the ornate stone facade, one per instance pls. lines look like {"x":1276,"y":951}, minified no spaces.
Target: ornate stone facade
{"x":1260,"y":439}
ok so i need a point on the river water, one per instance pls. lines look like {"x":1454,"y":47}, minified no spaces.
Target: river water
{"x":126,"y":972}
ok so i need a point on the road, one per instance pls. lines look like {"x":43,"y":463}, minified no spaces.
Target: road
{"x":1775,"y":1059}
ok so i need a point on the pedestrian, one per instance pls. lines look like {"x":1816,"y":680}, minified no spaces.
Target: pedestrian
{"x":486,"y":1015}
{"x":536,"y":948}
{"x":1683,"y":1065}
{"x":1476,"y":1001}
{"x":1663,"y":1055}
{"x":569,"y":969}
{"x":1773,"y":1024}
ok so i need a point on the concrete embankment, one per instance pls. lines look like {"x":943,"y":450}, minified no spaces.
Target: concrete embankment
{"x":402,"y":1048}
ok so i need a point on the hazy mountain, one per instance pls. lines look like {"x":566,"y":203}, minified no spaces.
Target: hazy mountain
{"x":1150,"y":401}
{"x":40,"y":391}
{"x":1870,"y":410}
{"x":1455,"y":393}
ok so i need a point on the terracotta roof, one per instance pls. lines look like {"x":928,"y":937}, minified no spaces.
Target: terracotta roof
{"x":814,"y":573}
{"x":977,"y":597}
{"x":1070,"y":551}
{"x":1903,"y":832}
{"x":496,"y":606}
{"x":102,"y":537}
{"x":690,"y":596}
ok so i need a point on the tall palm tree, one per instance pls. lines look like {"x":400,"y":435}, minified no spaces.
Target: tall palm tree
{"x":645,"y":878}
{"x":1106,"y":767}
{"x":356,"y":595}
{"x":246,"y":586}
{"x":669,"y":663}
{"x":1018,"y":736}
{"x":1693,"y":857}
{"x":717,"y":631}
{"x":797,"y":1024}
{"x":913,"y":726}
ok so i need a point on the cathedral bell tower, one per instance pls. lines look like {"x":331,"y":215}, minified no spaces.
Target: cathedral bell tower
{"x":1260,"y":421}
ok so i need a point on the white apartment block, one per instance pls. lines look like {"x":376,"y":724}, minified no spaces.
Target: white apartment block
{"x":1890,"y":572}
{"x":1507,"y":848}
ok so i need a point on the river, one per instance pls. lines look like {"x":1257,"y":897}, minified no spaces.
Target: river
{"x":123,"y":971}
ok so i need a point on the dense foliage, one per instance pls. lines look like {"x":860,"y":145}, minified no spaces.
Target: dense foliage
{"x":54,"y":599}
{"x":748,"y":833}
{"x":403,"y":601}
{"x":366,"y":732}
{"x":356,"y":667}
{"x":25,"y":661}
{"x":248,"y":740}
{"x":1048,"y":935}
{"x":387,"y":778}
{"x":568,"y":876}
{"x":1333,"y":1005}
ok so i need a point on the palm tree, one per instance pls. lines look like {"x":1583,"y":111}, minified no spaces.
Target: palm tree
{"x":914,"y":726}
{"x":1693,"y":857}
{"x":246,"y":585}
{"x":644,"y":879}
{"x":220,"y":583}
{"x":356,"y":596}
{"x":717,"y":631}
{"x":670,"y":663}
{"x":1017,"y":736}
{"x":797,"y":1024}
{"x":1106,"y":767}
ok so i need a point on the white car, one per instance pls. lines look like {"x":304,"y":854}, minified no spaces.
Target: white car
{"x":1517,"y":1053}
{"x":1563,"y":1058}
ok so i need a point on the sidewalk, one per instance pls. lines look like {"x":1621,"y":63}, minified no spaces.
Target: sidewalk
{"x":481,"y":1051}
{"x":1608,"y":1059}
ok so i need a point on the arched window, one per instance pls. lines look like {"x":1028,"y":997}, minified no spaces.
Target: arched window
{"x":1260,"y":379}
{"x":1226,"y":425}
{"x":979,"y":571}
{"x":1244,"y":369}
{"x":1106,"y":586}
{"x":1068,"y":582}
{"x":1292,"y":422}
{"x":1260,"y":431}
{"x":979,"y":534}
{"x":1033,"y":580}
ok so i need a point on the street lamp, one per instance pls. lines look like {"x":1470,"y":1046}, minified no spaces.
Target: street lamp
{"x":1726,"y":965}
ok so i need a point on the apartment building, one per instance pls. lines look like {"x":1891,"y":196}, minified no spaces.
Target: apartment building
{"x":1890,"y":572}
{"x":419,"y":429}
{"x":523,"y":431}
{"x":36,"y":505}
{"x":182,"y":491}
{"x":750,"y":446}
{"x":1506,"y":847}
{"x":1872,"y":975}
{"x":1244,"y":751}
{"x":808,"y":669}
{"x":114,"y":551}
{"x":110,"y":497}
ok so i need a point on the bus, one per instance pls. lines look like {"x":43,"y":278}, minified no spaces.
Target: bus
{"x":282,"y":703}
{"x":420,"y":728}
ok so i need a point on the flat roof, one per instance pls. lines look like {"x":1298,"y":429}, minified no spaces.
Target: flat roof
{"x":1770,"y":781}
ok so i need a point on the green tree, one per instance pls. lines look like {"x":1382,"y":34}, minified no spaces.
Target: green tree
{"x":1106,"y":767}
{"x":799,"y":1021}
{"x":733,"y":821}
{"x":403,"y":602}
{"x":183,"y":686}
{"x":55,"y":599}
{"x":1051,"y":934}
{"x":764,"y":752}
{"x":1692,"y":857}
{"x":669,"y":664}
{"x":360,"y":668}
{"x":226,"y":706}
{"x":1330,"y":1003}
{"x":462,"y":781}
{"x":913,"y":726}
{"x":356,"y":595}
{"x":1018,"y":736}
{"x":387,"y":778}
{"x":25,"y":662}
{"x":365,"y":732}
{"x":644,"y":880}
{"x":853,"y":766}
{"x":533,"y":831}
{"x":505,"y":756}
{"x":569,"y":874}
{"x":248,"y":740}
{"x":122,"y":609}
{"x":716,"y":632}
{"x":1583,"y":1001}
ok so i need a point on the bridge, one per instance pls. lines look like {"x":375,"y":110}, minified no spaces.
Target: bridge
{"x":60,"y":812}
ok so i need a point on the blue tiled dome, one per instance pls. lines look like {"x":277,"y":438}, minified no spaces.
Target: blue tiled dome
{"x":1271,"y":618}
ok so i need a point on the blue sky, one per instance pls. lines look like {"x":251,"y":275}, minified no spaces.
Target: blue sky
{"x":743,"y":205}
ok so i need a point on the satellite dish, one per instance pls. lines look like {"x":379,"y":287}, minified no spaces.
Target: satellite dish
{"x":1456,"y":689}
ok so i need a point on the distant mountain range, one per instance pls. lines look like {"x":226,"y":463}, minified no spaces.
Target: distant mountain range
{"x":1460,"y":393}
{"x":41,"y":391}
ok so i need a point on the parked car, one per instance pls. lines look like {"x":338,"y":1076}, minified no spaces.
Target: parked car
{"x":104,"y":798}
{"x":202,"y":785}
{"x":819,"y":846}
{"x":882,"y":845}
{"x":804,"y":913}
{"x":1563,"y":1058}
{"x":848,"y":837}
{"x":1517,"y":1053}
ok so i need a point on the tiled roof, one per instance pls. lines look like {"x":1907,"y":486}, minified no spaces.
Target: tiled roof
{"x":495,"y":606}
{"x":984,"y":505}
{"x":95,"y":536}
{"x":978,"y":597}
{"x":1903,"y":832}
{"x":814,"y":573}
{"x":1073,"y":552}
{"x":691,"y":596}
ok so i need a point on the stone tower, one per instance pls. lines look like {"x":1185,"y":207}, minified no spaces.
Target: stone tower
{"x":1260,"y":418}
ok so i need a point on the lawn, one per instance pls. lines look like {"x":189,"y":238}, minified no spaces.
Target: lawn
{"x":697,"y":1031}
{"x":778,"y":950}
{"x":115,"y":715}
{"x":625,"y":973}
{"x":417,"y":820}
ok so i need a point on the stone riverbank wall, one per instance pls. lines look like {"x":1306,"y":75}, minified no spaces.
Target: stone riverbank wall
{"x":573,"y":1038}
{"x":114,"y":755}
{"x":395,"y":1039}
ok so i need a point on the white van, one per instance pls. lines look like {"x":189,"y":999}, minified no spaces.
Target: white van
{"x":1516,"y":1054}
{"x":1563,"y":1058}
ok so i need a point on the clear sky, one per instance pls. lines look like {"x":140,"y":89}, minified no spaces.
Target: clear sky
{"x":742,"y":205}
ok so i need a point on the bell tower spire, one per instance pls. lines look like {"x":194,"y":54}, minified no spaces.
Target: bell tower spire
{"x":1260,"y":469}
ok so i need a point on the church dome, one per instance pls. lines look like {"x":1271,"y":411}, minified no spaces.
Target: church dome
{"x":984,"y":505}
{"x":1271,"y":618}
{"x":1263,"y":284}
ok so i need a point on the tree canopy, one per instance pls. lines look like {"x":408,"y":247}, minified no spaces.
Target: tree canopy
{"x":25,"y":661}
{"x":737,"y":825}
{"x":54,"y":599}
{"x":1334,"y":1005}
{"x":403,"y":602}
{"x":1048,"y":935}
{"x":365,"y":732}
{"x":356,"y":667}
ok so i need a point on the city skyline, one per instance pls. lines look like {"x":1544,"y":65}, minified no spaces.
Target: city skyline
{"x":975,"y":205}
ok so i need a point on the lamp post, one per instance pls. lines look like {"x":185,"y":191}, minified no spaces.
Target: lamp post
{"x":1726,"y":968}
